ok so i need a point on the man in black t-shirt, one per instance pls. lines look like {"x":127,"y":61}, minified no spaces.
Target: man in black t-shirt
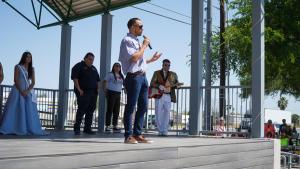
{"x":86,"y":87}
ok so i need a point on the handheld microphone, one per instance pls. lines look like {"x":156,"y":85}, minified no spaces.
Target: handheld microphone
{"x":149,"y":45}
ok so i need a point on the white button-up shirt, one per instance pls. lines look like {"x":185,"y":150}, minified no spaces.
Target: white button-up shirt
{"x":130,"y":45}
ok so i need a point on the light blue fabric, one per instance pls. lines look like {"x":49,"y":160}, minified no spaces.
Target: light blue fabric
{"x":130,"y":45}
{"x":112,"y":83}
{"x":20,"y":115}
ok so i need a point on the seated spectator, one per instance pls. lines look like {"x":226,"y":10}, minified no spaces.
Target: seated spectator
{"x":220,"y":127}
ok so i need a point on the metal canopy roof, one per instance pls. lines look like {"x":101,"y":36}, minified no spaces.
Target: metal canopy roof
{"x":70,"y":10}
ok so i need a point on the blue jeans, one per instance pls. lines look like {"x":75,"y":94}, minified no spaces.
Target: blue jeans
{"x":137,"y":92}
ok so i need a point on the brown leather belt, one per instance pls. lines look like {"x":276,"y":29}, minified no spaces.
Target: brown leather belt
{"x":138,"y":73}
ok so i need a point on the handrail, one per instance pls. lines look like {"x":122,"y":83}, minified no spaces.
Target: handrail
{"x":289,"y":157}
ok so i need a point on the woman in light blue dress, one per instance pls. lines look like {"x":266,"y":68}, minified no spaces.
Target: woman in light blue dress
{"x":20,"y":111}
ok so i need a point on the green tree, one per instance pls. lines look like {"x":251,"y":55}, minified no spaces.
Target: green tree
{"x":282,"y":44}
{"x":295,"y":119}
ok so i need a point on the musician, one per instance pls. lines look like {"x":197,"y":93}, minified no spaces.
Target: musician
{"x":166,"y":81}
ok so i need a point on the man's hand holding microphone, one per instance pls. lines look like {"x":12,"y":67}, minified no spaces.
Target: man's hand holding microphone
{"x":146,"y":39}
{"x":156,"y":55}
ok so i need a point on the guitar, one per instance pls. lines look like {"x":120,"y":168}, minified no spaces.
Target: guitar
{"x":168,"y":86}
{"x":156,"y":93}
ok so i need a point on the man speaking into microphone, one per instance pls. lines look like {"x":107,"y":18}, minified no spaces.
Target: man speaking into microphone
{"x":134,"y":65}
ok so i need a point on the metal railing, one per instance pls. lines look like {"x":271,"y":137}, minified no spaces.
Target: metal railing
{"x":289,"y":160}
{"x":237,"y":108}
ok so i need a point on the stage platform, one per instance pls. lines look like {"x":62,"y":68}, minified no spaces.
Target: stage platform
{"x":63,"y":150}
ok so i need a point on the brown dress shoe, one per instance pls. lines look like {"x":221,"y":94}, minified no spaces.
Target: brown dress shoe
{"x":142,"y":139}
{"x":130,"y":140}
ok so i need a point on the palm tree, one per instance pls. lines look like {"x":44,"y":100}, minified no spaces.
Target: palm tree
{"x":282,"y":103}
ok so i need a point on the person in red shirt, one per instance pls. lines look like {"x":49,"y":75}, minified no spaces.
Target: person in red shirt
{"x":269,"y":129}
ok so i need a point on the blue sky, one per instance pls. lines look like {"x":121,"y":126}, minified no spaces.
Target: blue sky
{"x":167,"y":36}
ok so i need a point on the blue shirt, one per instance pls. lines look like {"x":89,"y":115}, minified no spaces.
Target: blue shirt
{"x":112,"y":83}
{"x":130,"y":45}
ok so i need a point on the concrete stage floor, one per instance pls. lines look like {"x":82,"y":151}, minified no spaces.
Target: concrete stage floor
{"x":63,"y":150}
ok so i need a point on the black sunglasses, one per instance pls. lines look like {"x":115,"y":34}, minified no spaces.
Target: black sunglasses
{"x":167,"y":65}
{"x":139,"y":26}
